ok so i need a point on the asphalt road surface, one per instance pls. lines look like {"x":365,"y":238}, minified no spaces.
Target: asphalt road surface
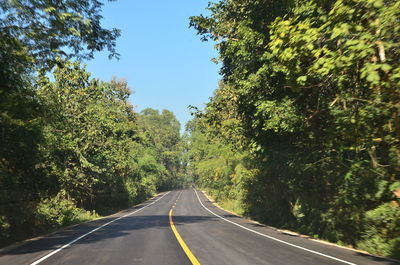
{"x":177,"y":227}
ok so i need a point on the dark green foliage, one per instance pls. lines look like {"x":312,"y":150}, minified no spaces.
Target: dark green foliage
{"x":32,"y":35}
{"x":89,"y":153}
{"x":162,"y":133}
{"x":310,"y":91}
{"x":70,"y":146}
{"x":91,"y":136}
{"x":20,"y":138}
{"x":57,"y":211}
{"x":382,"y":230}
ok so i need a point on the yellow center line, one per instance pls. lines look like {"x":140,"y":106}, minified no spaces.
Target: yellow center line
{"x":185,"y":248}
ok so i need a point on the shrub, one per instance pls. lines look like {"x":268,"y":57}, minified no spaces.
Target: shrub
{"x":382,"y":231}
{"x":59,"y":211}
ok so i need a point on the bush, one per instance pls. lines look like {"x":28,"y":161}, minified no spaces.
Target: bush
{"x":382,"y":231}
{"x":4,"y":227}
{"x":59,"y":211}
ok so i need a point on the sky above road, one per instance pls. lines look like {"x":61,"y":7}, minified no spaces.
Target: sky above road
{"x":163,"y":60}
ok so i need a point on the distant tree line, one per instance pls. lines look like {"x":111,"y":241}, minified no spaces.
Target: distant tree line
{"x":72,"y":147}
{"x":304,"y":129}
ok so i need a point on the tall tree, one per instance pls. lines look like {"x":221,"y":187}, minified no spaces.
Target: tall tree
{"x":163,"y":131}
{"x":311,"y":89}
{"x":32,"y":35}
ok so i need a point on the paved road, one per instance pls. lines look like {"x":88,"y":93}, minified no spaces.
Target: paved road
{"x":143,"y":235}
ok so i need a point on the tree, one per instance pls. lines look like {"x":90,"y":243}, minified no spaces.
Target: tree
{"x":92,"y":138}
{"x":32,"y":35}
{"x":162,"y":130}
{"x":311,"y":90}
{"x":48,"y":29}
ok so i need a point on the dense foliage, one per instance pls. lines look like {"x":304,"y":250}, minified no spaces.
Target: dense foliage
{"x":163,"y":138}
{"x":303,"y":131}
{"x":309,"y":105}
{"x":71,"y":146}
{"x":88,"y":153}
{"x":47,"y":29}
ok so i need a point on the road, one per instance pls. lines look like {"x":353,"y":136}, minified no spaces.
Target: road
{"x":207,"y":235}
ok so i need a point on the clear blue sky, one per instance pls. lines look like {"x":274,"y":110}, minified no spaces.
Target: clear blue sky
{"x":164,"y":62}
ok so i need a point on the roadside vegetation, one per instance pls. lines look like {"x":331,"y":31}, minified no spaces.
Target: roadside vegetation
{"x":72,"y":147}
{"x":304,"y":129}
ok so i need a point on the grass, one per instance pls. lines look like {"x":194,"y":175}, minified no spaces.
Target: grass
{"x":232,"y":206}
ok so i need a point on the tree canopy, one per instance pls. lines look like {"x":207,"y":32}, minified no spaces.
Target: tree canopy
{"x":303,"y":131}
{"x":72,"y":146}
{"x":50,"y":29}
{"x":310,"y":89}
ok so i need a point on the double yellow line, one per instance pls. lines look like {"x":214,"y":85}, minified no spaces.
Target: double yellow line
{"x":185,"y":248}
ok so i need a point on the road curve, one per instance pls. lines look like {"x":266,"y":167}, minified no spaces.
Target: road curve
{"x":144,"y":235}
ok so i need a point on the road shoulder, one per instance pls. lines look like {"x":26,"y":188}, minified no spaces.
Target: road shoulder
{"x":295,"y":234}
{"x":97,"y":221}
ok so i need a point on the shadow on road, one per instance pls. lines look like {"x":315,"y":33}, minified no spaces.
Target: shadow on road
{"x":120,"y":228}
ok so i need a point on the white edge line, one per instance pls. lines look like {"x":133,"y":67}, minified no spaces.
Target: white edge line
{"x":273,"y":238}
{"x":94,"y":230}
